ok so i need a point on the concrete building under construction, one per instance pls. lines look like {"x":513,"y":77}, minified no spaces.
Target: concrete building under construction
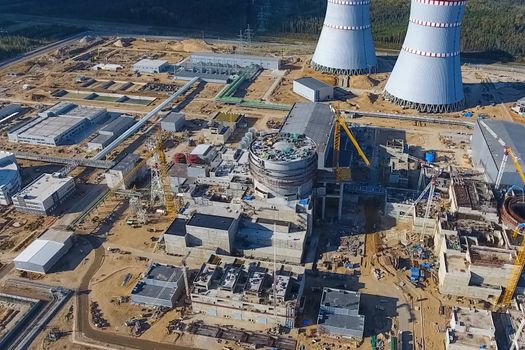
{"x":248,"y":290}
{"x":283,"y":165}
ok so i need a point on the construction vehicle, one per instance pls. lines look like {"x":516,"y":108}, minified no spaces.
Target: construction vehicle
{"x":343,"y":174}
{"x":506,"y":153}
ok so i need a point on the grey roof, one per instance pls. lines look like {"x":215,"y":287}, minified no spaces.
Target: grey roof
{"x":503,"y":133}
{"x":8,"y":168}
{"x":338,"y":298}
{"x":314,"y":120}
{"x":215,"y":222}
{"x":177,"y":228}
{"x":146,"y":62}
{"x":349,"y":325}
{"x":127,"y":163}
{"x":164,"y":273}
{"x":101,"y":139}
{"x":312,"y":83}
{"x":152,"y":291}
{"x":172,"y":117}
{"x":118,"y":125}
{"x":59,"y":236}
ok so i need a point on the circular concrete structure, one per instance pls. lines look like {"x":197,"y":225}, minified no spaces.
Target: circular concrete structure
{"x":513,"y":211}
{"x":283,"y":164}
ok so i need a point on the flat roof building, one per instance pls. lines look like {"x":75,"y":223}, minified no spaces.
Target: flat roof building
{"x":313,"y":89}
{"x":264,"y":62}
{"x":44,"y":195}
{"x":173,"y":122}
{"x":10,"y":179}
{"x":162,"y":285}
{"x":471,"y":329}
{"x":64,"y":123}
{"x":41,"y":255}
{"x":213,"y":232}
{"x":147,"y":65}
{"x":10,"y":109}
{"x":339,"y":314}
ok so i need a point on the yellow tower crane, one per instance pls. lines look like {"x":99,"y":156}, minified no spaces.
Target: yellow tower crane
{"x":343,"y":174}
{"x":519,"y":263}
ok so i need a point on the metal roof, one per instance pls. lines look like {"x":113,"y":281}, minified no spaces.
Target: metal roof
{"x":101,"y":139}
{"x":172,"y":117}
{"x":8,"y":168}
{"x":44,"y":187}
{"x":127,"y":163}
{"x":314,"y":120}
{"x":312,"y":83}
{"x":338,"y":298}
{"x":164,"y":273}
{"x":355,"y":324}
{"x":196,"y":55}
{"x":146,"y":62}
{"x":215,"y":222}
{"x":118,"y":125}
{"x":43,"y":249}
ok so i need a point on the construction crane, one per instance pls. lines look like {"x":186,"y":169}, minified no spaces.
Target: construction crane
{"x":341,"y":174}
{"x":171,"y":206}
{"x":517,"y":270}
{"x":506,"y":153}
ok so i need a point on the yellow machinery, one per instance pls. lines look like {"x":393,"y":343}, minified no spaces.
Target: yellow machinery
{"x":519,"y":263}
{"x":171,"y":206}
{"x":343,"y":174}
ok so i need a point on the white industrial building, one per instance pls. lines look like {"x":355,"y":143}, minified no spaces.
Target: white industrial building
{"x":10,"y":179}
{"x":115,"y":175}
{"x":64,"y":123}
{"x":313,"y":89}
{"x":147,"y":65}
{"x":217,"y":59}
{"x":44,"y":195}
{"x":107,"y":66}
{"x":173,"y":122}
{"x":41,"y":255}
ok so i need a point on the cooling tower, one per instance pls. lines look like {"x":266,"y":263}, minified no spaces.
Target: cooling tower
{"x":427,"y":74}
{"x":345,"y":45}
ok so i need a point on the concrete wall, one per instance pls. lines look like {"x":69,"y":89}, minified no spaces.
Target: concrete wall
{"x":212,"y":238}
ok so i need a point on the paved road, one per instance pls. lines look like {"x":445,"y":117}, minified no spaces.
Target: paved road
{"x":83,"y":313}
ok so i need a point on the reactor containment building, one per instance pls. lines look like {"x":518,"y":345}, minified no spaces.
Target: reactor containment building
{"x":345,"y":45}
{"x":427,"y":74}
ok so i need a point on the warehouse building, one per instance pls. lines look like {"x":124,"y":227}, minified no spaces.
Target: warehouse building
{"x":110,"y":132}
{"x":115,"y":175}
{"x":339,"y":314}
{"x":64,"y":123}
{"x":10,"y":178}
{"x":173,"y":122}
{"x":313,"y":89}
{"x":41,"y":255}
{"x":488,"y":141}
{"x":44,"y":195}
{"x":149,"y":66}
{"x":246,"y":290}
{"x":216,"y":59}
{"x":162,"y":285}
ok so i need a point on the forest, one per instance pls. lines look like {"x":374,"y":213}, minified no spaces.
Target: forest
{"x":489,"y":26}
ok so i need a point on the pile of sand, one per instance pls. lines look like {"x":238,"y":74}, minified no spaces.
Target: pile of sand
{"x":192,"y":45}
{"x":363,"y":82}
